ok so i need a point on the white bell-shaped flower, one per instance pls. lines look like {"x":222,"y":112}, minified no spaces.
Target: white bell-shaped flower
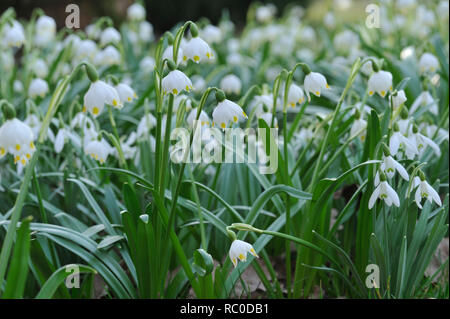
{"x":226,"y":112}
{"x":98,"y":150}
{"x":380,"y":82}
{"x":295,"y":95}
{"x":398,"y":140}
{"x":197,"y":50}
{"x":212,"y":34}
{"x":428,"y":63}
{"x":108,"y":56}
{"x":390,"y":166}
{"x":17,"y":139}
{"x":38,"y":87}
{"x":425,"y":190}
{"x":109,"y":35}
{"x":136,"y":12}
{"x":203,"y":118}
{"x":315,"y":83}
{"x":168,"y":54}
{"x":421,"y":142}
{"x":147,"y":122}
{"x":40,"y":68}
{"x":359,"y":127}
{"x":13,"y":35}
{"x":239,"y":250}
{"x":147,"y":64}
{"x":384,"y":192}
{"x":45,"y":30}
{"x":398,"y":99}
{"x":425,"y":99}
{"x":175,"y":82}
{"x":126,"y":93}
{"x":231,"y":84}
{"x":99,"y":94}
{"x":267,"y":117}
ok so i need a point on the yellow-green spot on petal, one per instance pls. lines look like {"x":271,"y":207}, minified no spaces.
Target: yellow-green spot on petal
{"x":196,"y":58}
{"x":241,"y":257}
{"x":222,"y":125}
{"x":370,"y":92}
{"x":95,"y":110}
{"x":114,"y":102}
{"x":17,"y":147}
{"x":2,"y":151}
{"x":175,"y":91}
{"x":235,"y":119}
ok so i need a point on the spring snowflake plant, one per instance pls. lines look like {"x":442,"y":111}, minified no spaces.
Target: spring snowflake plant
{"x":356,"y":119}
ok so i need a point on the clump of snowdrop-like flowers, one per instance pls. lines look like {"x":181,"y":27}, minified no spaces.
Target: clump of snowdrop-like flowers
{"x":196,"y":49}
{"x":99,"y":94}
{"x":380,"y":82}
{"x":226,"y":111}
{"x":424,"y":190}
{"x":384,"y":192}
{"x":16,"y":137}
{"x":428,"y":63}
{"x":175,"y":81}
{"x":239,"y":250}
{"x":13,"y":35}
{"x":38,"y":87}
{"x":231,"y":84}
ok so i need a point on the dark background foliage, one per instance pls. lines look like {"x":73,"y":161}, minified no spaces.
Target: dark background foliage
{"x":163,"y":14}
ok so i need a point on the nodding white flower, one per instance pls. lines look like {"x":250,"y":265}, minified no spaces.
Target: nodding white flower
{"x":38,"y":87}
{"x":146,"y":31}
{"x":98,"y":150}
{"x":126,"y":93}
{"x":18,"y":86}
{"x":425,"y":99}
{"x":99,"y":94}
{"x":315,"y":83}
{"x":239,"y":250}
{"x":211,"y":34}
{"x":175,"y":82}
{"x":267,"y":117}
{"x":197,"y":50}
{"x":136,"y":12}
{"x":231,"y":84}
{"x":108,"y":56}
{"x":203,"y":118}
{"x":13,"y":36}
{"x":428,"y":63}
{"x":147,"y":64}
{"x":145,"y":125}
{"x":384,"y":192}
{"x":390,"y":165}
{"x":345,"y":41}
{"x":421,"y":142}
{"x":398,"y":140}
{"x":45,"y":30}
{"x":129,"y":151}
{"x":17,"y":139}
{"x":85,"y":49}
{"x":93,"y":31}
{"x":359,"y":125}
{"x":60,"y":139}
{"x":295,"y":95}
{"x":109,"y":35}
{"x":227,"y":111}
{"x":399,"y":99}
{"x":380,"y":82}
{"x":40,"y":68}
{"x":265,"y":13}
{"x":425,"y":190}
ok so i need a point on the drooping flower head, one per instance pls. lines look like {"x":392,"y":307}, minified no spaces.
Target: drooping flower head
{"x":226,"y":111}
{"x":196,"y":49}
{"x":175,"y":81}
{"x":239,"y":250}
{"x":380,"y":82}
{"x":99,"y":94}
